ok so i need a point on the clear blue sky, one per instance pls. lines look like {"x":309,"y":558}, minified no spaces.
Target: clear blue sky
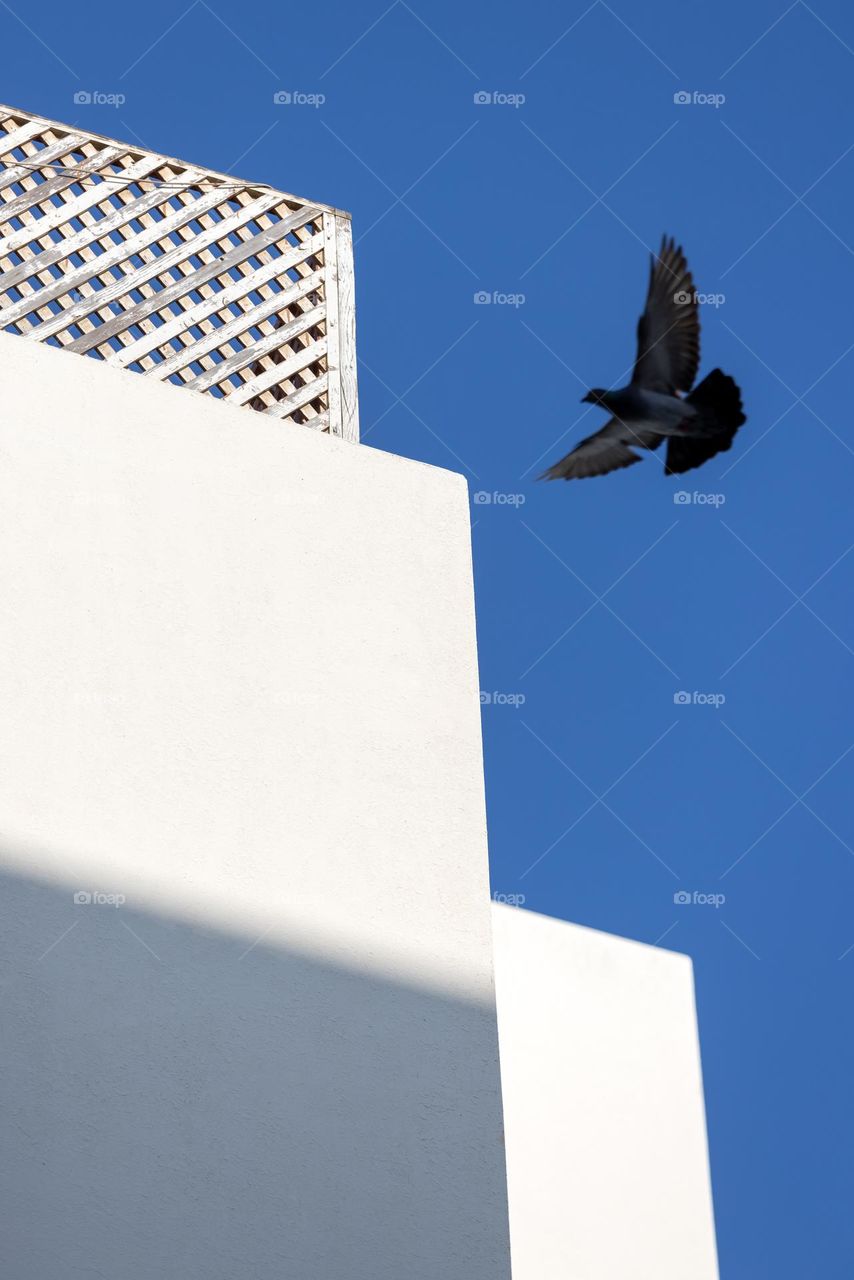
{"x":599,"y":600}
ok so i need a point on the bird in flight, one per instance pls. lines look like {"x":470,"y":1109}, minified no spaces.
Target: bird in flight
{"x":658,"y":402}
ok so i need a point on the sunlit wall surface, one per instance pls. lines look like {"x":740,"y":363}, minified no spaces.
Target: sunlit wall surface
{"x":606,"y":1137}
{"x":249,"y":1020}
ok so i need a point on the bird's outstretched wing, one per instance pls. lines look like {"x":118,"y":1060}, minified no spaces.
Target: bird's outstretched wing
{"x":602,"y":452}
{"x":669,"y":329}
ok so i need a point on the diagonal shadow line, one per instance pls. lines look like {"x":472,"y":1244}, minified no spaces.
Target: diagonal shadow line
{"x":600,"y":799}
{"x":561,"y":37}
{"x":38,"y":38}
{"x":827,"y":28}
{"x":638,"y":38}
{"x":600,"y":599}
{"x":759,"y":39}
{"x":662,"y":936}
{"x":399,"y":199}
{"x":598,"y":199}
{"x":401,"y":399}
{"x":798,"y":799}
{"x":359,"y":39}
{"x":801,"y":599}
{"x":573,"y":25}
{"x":414,"y":184}
{"x":797,"y":400}
{"x":741,"y":940}
{"x":222,"y":22}
{"x":438,"y":38}
{"x":399,"y":4}
{"x":416,"y":416}
{"x":596,"y":801}
{"x":798,"y":199}
{"x":171,"y":27}
{"x":58,"y":940}
{"x":140,"y":940}
{"x":797,"y":599}
{"x":252,"y":146}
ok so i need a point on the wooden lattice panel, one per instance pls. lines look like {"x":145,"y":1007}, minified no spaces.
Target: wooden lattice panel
{"x":177,"y":272}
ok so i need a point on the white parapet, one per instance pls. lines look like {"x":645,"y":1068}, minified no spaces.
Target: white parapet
{"x":249,"y":1017}
{"x":607,"y":1163}
{"x":248,"y":1012}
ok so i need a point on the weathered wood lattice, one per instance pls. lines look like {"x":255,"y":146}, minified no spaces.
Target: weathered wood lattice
{"x":177,"y":272}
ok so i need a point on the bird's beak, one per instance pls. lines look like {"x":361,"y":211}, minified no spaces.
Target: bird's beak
{"x":588,"y":399}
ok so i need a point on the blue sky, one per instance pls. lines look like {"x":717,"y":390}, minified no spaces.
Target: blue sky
{"x":599,"y":601}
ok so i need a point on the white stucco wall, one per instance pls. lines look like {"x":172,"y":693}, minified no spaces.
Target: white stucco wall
{"x":607,"y":1162}
{"x":238,"y":687}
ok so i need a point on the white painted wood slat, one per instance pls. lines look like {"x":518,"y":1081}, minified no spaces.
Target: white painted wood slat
{"x":219,"y":268}
{"x":44,"y":193}
{"x":280,"y":372}
{"x":193,"y":316}
{"x":163,"y":263}
{"x":286,"y":407}
{"x":119,"y":253}
{"x":185,"y":274}
{"x":250,"y":355}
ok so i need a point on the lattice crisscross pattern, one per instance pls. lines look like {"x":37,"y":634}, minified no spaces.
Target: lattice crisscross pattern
{"x":177,"y":272}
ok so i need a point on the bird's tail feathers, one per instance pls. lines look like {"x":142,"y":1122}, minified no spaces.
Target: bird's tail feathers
{"x":718,"y":400}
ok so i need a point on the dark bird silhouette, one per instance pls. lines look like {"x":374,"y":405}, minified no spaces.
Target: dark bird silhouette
{"x":658,"y":402}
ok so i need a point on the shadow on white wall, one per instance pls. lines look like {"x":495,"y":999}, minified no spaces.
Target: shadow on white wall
{"x":185,"y":1102}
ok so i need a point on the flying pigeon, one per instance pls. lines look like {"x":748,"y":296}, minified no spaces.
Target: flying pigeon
{"x":658,"y":402}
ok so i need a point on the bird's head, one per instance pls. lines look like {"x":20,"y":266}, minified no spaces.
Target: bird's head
{"x":595,"y":396}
